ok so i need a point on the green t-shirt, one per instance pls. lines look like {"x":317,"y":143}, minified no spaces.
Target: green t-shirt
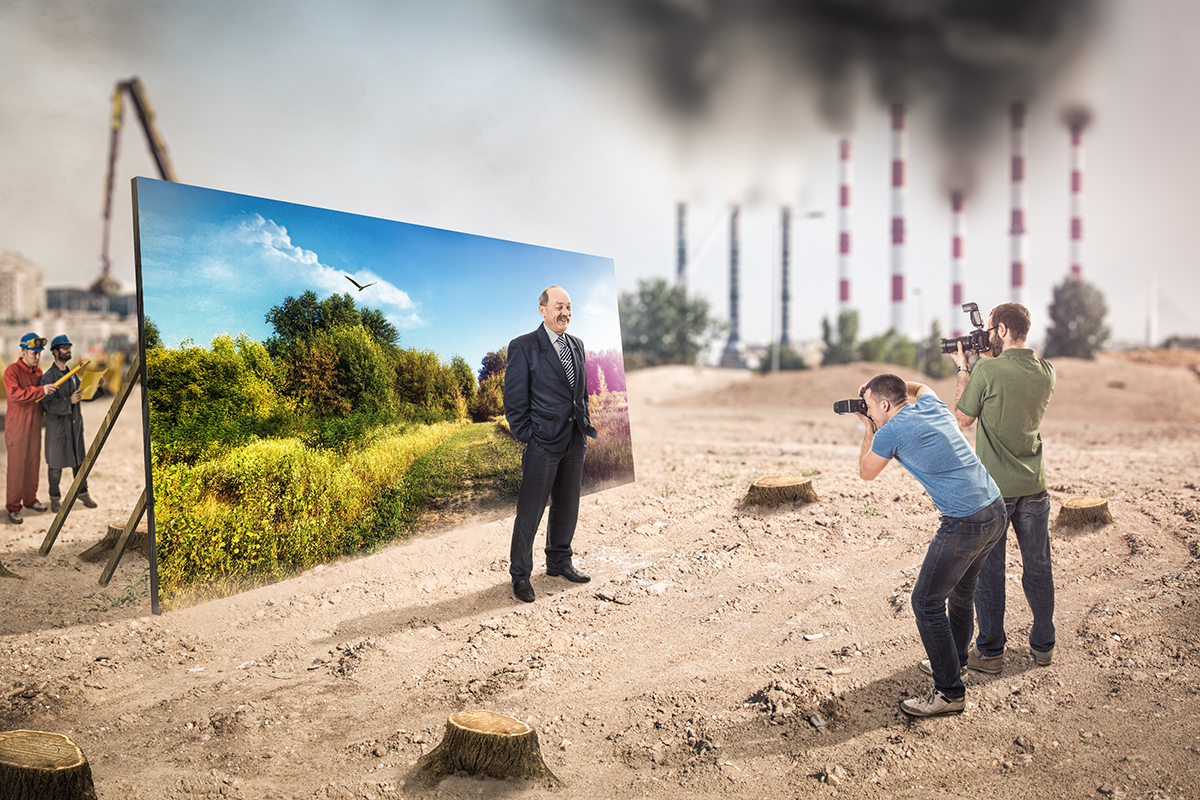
{"x":1009,"y":395}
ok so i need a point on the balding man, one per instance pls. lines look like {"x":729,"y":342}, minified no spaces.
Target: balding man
{"x":546,"y":405}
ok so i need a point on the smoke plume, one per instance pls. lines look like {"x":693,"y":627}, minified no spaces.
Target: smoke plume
{"x":958,"y":62}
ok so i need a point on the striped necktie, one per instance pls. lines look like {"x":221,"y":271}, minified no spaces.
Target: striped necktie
{"x":564,"y":355}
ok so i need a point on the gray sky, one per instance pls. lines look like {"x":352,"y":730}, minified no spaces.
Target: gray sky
{"x":467,"y":115}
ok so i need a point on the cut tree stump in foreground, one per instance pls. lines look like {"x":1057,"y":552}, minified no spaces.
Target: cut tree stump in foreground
{"x":486,"y":743}
{"x":35,"y":765}
{"x":139,"y":542}
{"x":771,"y":490}
{"x":1083,"y":511}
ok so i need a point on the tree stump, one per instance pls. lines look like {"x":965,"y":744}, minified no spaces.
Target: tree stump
{"x":486,"y":743}
{"x":139,"y":542}
{"x":1079,"y":511}
{"x":35,"y":765}
{"x":771,"y":490}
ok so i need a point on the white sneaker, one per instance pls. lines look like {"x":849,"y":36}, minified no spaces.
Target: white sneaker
{"x":934,"y":704}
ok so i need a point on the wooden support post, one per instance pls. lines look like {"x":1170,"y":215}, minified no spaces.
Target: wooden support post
{"x":35,"y":765}
{"x":131,"y":380}
{"x":123,"y":542}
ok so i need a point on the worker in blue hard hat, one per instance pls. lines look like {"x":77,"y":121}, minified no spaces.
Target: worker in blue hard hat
{"x":23,"y":426}
{"x":64,"y":424}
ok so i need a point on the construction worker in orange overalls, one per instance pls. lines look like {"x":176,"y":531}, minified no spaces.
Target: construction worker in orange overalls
{"x":23,"y":426}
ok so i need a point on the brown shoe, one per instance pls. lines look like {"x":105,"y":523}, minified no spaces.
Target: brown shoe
{"x":87,"y":500}
{"x":987,"y":665}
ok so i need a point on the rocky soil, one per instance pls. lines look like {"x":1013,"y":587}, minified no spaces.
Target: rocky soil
{"x":719,"y":649}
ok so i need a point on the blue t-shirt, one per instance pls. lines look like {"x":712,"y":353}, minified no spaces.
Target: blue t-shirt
{"x":924,"y":437}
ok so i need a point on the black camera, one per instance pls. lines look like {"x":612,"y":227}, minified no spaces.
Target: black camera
{"x":856,"y":406}
{"x":976,"y":341}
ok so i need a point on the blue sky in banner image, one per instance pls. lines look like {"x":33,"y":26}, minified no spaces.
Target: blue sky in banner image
{"x":214,"y":262}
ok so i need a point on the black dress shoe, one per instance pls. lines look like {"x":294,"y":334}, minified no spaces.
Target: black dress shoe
{"x":568,"y":572}
{"x":524,"y":591}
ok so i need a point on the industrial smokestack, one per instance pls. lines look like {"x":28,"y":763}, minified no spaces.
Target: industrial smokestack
{"x":681,"y":245}
{"x":1077,"y":125}
{"x":1017,"y":226}
{"x":847,"y":176}
{"x":899,"y":154}
{"x":731,"y":357}
{"x":957,"y":232}
{"x":784,"y":262}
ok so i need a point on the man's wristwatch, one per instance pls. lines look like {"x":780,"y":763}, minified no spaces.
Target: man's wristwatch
{"x":965,"y":369}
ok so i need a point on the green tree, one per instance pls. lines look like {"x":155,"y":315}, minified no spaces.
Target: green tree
{"x":1077,"y":328}
{"x":152,"y":338}
{"x":427,"y":389}
{"x":298,"y":319}
{"x":381,"y":330}
{"x":843,"y":349}
{"x":494,"y":363}
{"x":889,"y":348}
{"x":789,"y":359}
{"x":465,"y":377}
{"x":933,"y":361}
{"x":660,"y":325}
{"x":489,"y":402}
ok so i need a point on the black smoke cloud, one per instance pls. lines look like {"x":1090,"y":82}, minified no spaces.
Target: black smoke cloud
{"x":962,"y":62}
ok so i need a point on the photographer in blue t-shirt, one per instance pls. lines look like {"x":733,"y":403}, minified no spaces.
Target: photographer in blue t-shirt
{"x":907,"y":422}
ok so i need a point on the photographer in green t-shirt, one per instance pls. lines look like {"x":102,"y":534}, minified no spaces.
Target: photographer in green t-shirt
{"x":1008,"y":393}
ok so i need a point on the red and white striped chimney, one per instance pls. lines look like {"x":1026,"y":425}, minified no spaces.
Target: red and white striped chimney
{"x":1017,"y":225}
{"x":899,"y":154}
{"x":847,"y":176}
{"x":958,"y":231}
{"x":1077,"y":127}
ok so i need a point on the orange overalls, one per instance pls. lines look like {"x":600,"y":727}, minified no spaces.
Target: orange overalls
{"x":23,"y":432}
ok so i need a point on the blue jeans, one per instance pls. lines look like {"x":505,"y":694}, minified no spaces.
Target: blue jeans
{"x":1030,"y":516}
{"x":952,"y":565}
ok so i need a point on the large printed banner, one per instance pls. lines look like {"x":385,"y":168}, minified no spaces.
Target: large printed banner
{"x":320,"y":383}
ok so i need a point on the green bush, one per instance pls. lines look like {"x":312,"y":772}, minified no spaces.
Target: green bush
{"x":271,"y":508}
{"x":204,"y":401}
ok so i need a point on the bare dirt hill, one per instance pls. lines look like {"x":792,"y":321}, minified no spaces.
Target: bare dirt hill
{"x":718,"y":651}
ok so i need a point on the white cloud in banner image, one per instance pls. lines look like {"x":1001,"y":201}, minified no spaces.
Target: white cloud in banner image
{"x":395,"y":303}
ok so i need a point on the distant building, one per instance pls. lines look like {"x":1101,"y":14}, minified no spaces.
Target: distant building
{"x":95,"y":324}
{"x":76,"y":300}
{"x":22,"y":289}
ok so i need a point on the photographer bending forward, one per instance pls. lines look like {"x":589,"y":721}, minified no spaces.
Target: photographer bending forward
{"x":909,"y":423}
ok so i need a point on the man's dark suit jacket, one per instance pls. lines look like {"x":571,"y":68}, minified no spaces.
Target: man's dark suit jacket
{"x":539,"y":403}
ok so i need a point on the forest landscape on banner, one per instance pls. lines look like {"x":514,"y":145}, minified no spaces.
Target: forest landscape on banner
{"x":321,"y":383}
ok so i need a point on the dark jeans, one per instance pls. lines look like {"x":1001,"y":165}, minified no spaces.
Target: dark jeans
{"x":947,"y":579}
{"x":1030,"y":517}
{"x":54,"y":477}
{"x":553,"y":476}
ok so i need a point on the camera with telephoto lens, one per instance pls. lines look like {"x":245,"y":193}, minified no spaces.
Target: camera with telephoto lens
{"x":856,"y":406}
{"x":976,"y":341}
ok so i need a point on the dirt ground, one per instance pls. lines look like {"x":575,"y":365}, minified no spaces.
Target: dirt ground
{"x":719,"y":650}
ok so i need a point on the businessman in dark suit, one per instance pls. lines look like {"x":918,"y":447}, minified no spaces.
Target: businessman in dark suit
{"x":546,"y":405}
